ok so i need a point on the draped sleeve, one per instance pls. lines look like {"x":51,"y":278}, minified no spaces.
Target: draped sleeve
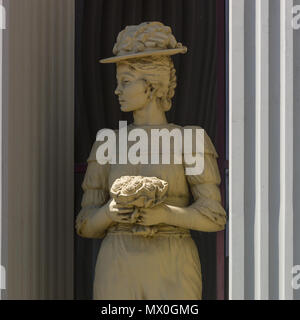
{"x":205,"y":186}
{"x":95,"y":189}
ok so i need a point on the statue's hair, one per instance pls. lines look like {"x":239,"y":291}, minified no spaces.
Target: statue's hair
{"x":159,"y":72}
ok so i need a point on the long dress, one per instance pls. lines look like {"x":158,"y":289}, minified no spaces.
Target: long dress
{"x":159,"y":262}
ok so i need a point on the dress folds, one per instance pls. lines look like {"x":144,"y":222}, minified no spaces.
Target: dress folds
{"x":134,"y":263}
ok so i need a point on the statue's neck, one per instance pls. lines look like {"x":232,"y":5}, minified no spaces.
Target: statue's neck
{"x":152,"y":114}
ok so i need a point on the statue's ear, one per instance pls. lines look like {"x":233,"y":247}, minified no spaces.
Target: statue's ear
{"x":159,"y":93}
{"x":156,"y":92}
{"x":152,"y":91}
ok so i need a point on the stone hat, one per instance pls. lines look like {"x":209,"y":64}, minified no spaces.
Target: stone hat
{"x":145,"y":39}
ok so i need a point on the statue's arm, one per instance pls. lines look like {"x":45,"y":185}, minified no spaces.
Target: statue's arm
{"x":194,"y":217}
{"x":93,"y":220}
{"x":206,"y":212}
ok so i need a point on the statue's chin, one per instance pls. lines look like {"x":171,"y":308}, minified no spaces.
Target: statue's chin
{"x":126,"y":109}
{"x":131,"y":108}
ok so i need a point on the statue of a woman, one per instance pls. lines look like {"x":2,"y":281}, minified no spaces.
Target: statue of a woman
{"x":152,"y":256}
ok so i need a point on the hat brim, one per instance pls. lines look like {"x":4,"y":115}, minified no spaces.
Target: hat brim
{"x":165,"y":52}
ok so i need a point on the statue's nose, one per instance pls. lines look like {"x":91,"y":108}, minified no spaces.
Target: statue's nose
{"x":117,"y":91}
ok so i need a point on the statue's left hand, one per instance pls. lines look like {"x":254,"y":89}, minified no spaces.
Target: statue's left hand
{"x":153,"y":216}
{"x":117,"y":213}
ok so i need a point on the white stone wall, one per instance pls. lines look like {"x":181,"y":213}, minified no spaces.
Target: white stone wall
{"x":264,"y":78}
{"x":296,"y":169}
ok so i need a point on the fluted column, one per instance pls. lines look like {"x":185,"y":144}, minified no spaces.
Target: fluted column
{"x":39,"y":151}
{"x":236,"y":149}
{"x":262,"y":107}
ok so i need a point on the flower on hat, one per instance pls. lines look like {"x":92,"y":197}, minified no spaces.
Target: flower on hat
{"x":146,"y":36}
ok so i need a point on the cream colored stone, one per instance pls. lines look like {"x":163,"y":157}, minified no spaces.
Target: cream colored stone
{"x":148,"y":252}
{"x":145,"y":39}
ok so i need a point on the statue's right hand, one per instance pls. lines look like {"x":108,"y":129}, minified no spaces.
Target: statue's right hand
{"x":118,"y":213}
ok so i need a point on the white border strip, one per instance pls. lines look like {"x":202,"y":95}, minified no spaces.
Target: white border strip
{"x":2,"y":280}
{"x":261,"y":226}
{"x":2,"y":184}
{"x":286,"y":151}
{"x":236,"y":149}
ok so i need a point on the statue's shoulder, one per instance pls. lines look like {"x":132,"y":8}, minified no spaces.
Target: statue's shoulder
{"x":98,"y":141}
{"x":209,"y":147}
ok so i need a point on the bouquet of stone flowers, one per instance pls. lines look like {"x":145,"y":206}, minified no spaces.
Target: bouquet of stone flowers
{"x":138,"y":192}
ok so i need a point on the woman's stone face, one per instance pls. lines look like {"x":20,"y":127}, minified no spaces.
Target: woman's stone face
{"x":132,"y":89}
